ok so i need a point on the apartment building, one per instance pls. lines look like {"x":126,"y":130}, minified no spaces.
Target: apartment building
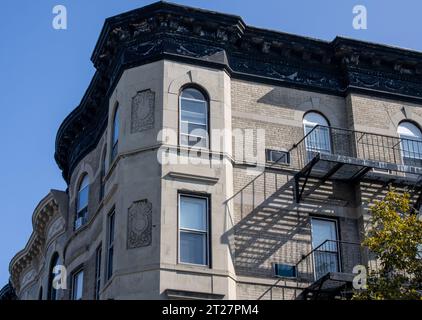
{"x":209,"y":159}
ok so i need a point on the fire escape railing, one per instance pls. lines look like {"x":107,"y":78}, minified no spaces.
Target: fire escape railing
{"x":348,"y":155}
{"x":358,"y":144}
{"x":334,"y":256}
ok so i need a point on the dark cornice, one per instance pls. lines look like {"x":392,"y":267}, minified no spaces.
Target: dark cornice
{"x":206,"y":38}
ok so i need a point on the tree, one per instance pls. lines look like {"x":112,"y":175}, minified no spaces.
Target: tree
{"x":395,"y":237}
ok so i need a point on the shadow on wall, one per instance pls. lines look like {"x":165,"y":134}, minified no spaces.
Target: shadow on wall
{"x":278,"y":97}
{"x":265,"y":225}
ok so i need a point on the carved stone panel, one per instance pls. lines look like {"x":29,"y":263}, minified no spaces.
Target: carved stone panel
{"x":142,"y":113}
{"x":28,"y":277}
{"x":56,"y":227}
{"x":139,"y":224}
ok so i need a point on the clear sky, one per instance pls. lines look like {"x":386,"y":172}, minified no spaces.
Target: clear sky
{"x":44,"y":73}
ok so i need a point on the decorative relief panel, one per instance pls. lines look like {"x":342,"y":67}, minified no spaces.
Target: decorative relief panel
{"x":56,"y":227}
{"x":28,"y":277}
{"x":142,"y":113}
{"x":139,"y":224}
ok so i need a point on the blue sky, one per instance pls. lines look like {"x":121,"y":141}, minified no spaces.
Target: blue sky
{"x":44,"y":73}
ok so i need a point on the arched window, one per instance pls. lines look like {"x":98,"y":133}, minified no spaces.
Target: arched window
{"x":82,"y":202}
{"x":411,"y":143}
{"x":317,"y":129}
{"x":115,"y":133}
{"x":193,"y":121}
{"x":102,"y":172}
{"x":52,"y":292}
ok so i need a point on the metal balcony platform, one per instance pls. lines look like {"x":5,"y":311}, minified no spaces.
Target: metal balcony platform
{"x":329,"y":269}
{"x":329,"y":287}
{"x":328,"y":153}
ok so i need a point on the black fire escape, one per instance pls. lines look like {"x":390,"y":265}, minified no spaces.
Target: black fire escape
{"x":347,"y":155}
{"x":328,"y":153}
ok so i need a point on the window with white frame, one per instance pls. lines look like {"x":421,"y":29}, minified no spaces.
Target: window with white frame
{"x":193,"y":121}
{"x":193,"y":229}
{"x":110,"y":244}
{"x":318,"y":131}
{"x":411,"y":143}
{"x":77,"y":285}
{"x":82,"y":202}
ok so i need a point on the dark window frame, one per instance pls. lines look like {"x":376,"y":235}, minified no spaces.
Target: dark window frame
{"x":337,"y":226}
{"x":82,"y":213}
{"x":102,"y":172}
{"x":111,"y":221}
{"x":115,"y":142}
{"x":74,"y":273}
{"x":98,"y":257}
{"x":52,"y":293}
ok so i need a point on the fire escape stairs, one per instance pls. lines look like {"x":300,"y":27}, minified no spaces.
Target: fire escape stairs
{"x":332,"y":286}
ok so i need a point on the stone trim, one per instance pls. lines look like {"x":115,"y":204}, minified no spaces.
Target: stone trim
{"x":191,"y":295}
{"x":193,"y":177}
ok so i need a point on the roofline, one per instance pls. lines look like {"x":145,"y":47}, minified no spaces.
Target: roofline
{"x":335,"y":67}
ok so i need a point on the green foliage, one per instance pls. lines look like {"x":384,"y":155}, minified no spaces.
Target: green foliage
{"x":395,"y":238}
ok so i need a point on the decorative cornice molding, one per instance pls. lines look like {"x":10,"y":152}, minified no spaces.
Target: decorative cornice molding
{"x":168,"y":31}
{"x":44,"y":213}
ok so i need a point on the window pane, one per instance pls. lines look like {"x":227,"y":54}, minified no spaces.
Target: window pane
{"x":83,"y":198}
{"x":110,"y":263}
{"x":111,"y":229}
{"x":193,"y":213}
{"x":194,"y":129}
{"x":110,"y":245}
{"x":193,"y":141}
{"x":53,"y":293}
{"x":411,"y":148}
{"x":114,"y":151}
{"x":192,"y":93}
{"x":116,"y":126}
{"x":318,"y":139}
{"x":98,"y":273}
{"x":194,"y":111}
{"x":313,"y":118}
{"x":78,"y":285}
{"x":323,"y":230}
{"x":325,"y":262}
{"x":84,"y":183}
{"x":193,"y":248}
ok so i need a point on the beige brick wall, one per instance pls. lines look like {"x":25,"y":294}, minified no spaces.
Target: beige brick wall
{"x":269,"y":226}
